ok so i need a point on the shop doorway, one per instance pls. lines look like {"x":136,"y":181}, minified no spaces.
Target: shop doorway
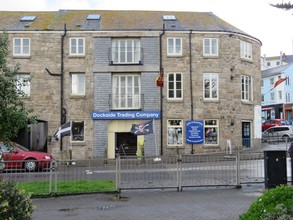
{"x":126,"y":144}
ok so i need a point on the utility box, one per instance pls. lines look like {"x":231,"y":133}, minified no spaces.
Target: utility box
{"x":275,"y":168}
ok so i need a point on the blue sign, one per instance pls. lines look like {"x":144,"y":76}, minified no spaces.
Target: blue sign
{"x":124,"y":115}
{"x":194,"y":132}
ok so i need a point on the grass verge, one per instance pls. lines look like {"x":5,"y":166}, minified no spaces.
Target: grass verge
{"x":42,"y":188}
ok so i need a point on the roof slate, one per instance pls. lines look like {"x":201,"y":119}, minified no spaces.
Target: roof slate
{"x":116,"y":20}
{"x":275,"y":71}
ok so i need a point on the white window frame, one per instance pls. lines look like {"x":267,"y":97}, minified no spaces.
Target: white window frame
{"x":77,"y":46}
{"x":246,"y":88}
{"x":175,"y":86}
{"x":78,"y":84}
{"x":174,"y":46}
{"x":126,"y":91}
{"x":280,"y":95}
{"x":211,"y":92}
{"x":287,"y":80}
{"x":272,"y":96}
{"x":211,"y":132}
{"x":288,"y":97}
{"x":210,"y":47}
{"x":77,"y":131}
{"x":245,"y":50}
{"x":126,"y":51}
{"x":272,"y":81}
{"x":23,"y":85}
{"x":21,"y":46}
{"x":175,"y":132}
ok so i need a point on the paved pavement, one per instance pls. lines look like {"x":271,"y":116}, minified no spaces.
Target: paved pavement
{"x":223,"y":203}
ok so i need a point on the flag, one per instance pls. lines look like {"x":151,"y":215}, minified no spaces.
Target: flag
{"x":143,"y":128}
{"x":279,"y":81}
{"x":64,"y":130}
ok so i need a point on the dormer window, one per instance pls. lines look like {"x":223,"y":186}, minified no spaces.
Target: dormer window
{"x":169,"y":17}
{"x":28,"y":18}
{"x":93,"y":17}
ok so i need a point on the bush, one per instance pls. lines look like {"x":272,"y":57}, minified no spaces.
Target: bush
{"x":274,"y":204}
{"x":14,"y":204}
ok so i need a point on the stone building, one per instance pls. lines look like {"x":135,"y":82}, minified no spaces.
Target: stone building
{"x":194,"y":77}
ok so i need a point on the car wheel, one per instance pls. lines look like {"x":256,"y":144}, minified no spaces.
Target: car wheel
{"x":30,"y":165}
{"x":285,"y":138}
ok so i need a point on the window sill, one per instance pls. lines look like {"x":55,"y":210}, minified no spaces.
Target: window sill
{"x":174,"y":56}
{"x":211,"y":145}
{"x":211,"y":56}
{"x":126,"y":109}
{"x":174,"y":147}
{"x":125,"y":64}
{"x":246,"y":60}
{"x":211,"y":100}
{"x":77,"y":56}
{"x":247,"y":102}
{"x":78,"y":143}
{"x":21,"y":56}
{"x":174,"y":100}
{"x":77,"y":96}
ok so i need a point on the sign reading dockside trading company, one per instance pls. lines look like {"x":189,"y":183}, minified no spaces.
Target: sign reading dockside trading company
{"x":121,"y":115}
{"x":194,"y":132}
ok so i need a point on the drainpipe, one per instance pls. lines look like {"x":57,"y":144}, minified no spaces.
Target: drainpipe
{"x":62,"y":109}
{"x":190,"y":81}
{"x":161,"y":88}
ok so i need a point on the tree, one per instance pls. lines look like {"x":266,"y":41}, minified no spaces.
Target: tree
{"x":13,"y":114}
{"x":286,"y":5}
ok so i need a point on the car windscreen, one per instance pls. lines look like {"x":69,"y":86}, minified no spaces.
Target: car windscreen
{"x":22,"y":148}
{"x":284,"y":122}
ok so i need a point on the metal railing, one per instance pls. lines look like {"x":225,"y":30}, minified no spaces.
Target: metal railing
{"x":179,"y":171}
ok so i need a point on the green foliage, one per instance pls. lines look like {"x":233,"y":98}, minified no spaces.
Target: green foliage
{"x":13,"y":114}
{"x":14,"y":204}
{"x":286,"y":5}
{"x":275,"y":204}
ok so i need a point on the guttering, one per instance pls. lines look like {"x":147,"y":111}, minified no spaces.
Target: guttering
{"x":190,"y":83}
{"x":161,"y":89}
{"x":62,"y":110}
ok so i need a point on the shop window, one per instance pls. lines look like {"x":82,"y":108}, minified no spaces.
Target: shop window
{"x":175,"y":129}
{"x":211,"y":129}
{"x":77,"y":131}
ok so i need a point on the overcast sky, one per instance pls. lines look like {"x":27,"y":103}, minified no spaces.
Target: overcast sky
{"x":271,"y":25}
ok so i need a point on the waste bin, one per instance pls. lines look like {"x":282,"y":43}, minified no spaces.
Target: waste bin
{"x":290,"y":150}
{"x":275,"y":168}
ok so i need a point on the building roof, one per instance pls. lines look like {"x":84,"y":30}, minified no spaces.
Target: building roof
{"x":115,"y":21}
{"x":274,"y":71}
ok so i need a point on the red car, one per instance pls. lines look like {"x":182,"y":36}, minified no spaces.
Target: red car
{"x":273,"y":122}
{"x":18,"y":157}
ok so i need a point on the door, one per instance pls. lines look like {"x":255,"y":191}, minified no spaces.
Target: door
{"x":246,"y":134}
{"x":126,"y":144}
